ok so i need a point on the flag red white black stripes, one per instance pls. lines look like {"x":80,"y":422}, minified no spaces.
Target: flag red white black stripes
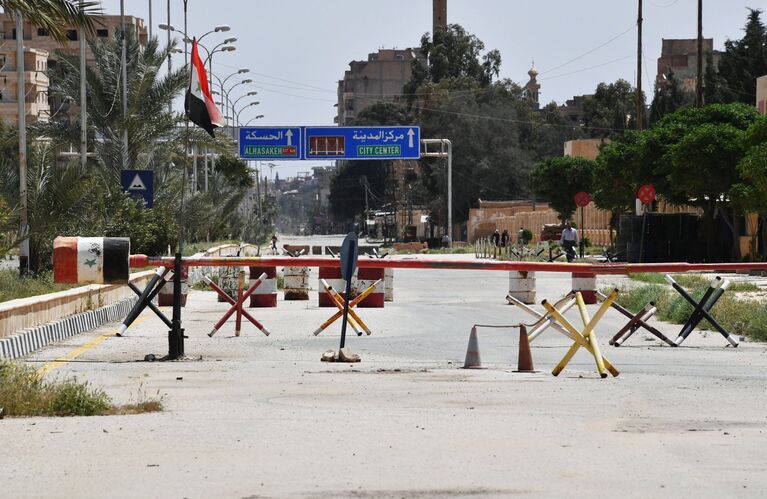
{"x":199,"y":104}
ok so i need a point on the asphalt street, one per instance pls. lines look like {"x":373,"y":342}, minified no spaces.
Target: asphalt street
{"x":256,"y":416}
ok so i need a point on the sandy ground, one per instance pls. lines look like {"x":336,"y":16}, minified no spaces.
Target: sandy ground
{"x":262,"y":417}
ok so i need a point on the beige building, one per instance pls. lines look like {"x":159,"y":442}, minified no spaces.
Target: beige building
{"x":681,"y":57}
{"x":40,"y":55}
{"x":378,"y":79}
{"x":761,"y":94}
{"x":584,"y":148}
{"x":35,"y":90}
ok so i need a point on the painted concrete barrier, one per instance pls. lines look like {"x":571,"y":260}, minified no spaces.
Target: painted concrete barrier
{"x":296,"y":281}
{"x":91,"y":260}
{"x":27,"y":313}
{"x":332,"y":275}
{"x":266,"y":294}
{"x":363,"y":280}
{"x":522,"y":286}
{"x":586,"y":284}
{"x":165,"y":297}
{"x":27,"y":341}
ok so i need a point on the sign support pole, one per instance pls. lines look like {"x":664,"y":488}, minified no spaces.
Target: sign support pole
{"x":583,"y":231}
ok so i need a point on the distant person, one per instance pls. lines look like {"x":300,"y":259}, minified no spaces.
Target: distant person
{"x":445,"y":241}
{"x":569,"y":241}
{"x":521,"y":236}
{"x":496,"y":238}
{"x":274,"y":244}
{"x":505,"y":238}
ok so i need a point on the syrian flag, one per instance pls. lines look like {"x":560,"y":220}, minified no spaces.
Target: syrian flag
{"x":199,"y":104}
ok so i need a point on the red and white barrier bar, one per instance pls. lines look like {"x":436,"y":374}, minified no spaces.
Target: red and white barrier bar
{"x":414,"y":263}
{"x":266,"y":294}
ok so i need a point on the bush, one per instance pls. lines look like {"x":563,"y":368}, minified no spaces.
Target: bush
{"x":636,"y":298}
{"x":24,"y":392}
{"x":151,"y":231}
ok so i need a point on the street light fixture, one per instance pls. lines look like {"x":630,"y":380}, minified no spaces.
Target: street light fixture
{"x":237,"y":113}
{"x":249,"y":94}
{"x":253,"y":119}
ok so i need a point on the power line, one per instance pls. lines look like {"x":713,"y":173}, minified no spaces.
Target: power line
{"x":631,"y":28}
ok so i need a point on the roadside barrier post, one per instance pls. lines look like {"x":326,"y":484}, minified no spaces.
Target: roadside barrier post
{"x":702,"y":308}
{"x":544,"y":321}
{"x":237,"y":306}
{"x":636,"y":321}
{"x":333,"y":293}
{"x":582,"y":339}
{"x":161,"y":276}
{"x":586,"y":284}
{"x":522,"y":286}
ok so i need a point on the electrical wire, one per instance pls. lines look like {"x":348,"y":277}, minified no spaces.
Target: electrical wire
{"x":631,"y":28}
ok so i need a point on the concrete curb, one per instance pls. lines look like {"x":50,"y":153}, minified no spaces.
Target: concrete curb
{"x":27,"y":341}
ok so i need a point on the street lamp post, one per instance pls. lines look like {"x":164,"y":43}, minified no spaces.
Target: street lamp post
{"x":124,"y":65}
{"x":22,"y":122}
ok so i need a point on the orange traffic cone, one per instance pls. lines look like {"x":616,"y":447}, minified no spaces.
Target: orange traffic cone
{"x":472,"y":352}
{"x":525,"y":361}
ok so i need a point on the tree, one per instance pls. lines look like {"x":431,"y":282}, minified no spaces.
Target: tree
{"x":55,"y":15}
{"x":742,"y":62}
{"x":559,"y":179}
{"x":452,"y":54}
{"x":669,"y":97}
{"x":611,"y":110}
{"x":750,"y":194}
{"x":383,"y":114}
{"x":150,"y":91}
{"x":234,"y":170}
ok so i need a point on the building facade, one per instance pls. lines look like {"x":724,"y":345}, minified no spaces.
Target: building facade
{"x":40,"y":55}
{"x":761,"y":94}
{"x":681,"y":58}
{"x":378,"y":79}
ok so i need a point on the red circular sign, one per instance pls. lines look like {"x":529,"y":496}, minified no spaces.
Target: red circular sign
{"x":582,"y":199}
{"x":646,"y":194}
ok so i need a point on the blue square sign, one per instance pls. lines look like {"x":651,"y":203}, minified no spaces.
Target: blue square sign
{"x":139,"y":183}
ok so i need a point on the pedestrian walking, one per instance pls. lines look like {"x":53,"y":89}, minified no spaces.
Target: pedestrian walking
{"x":496,"y":238}
{"x":569,"y":241}
{"x":274,"y":244}
{"x":505,"y":238}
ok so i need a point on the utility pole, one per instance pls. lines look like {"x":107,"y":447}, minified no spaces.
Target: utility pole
{"x":124,"y":62}
{"x":22,"y":121}
{"x":170,"y":104}
{"x":639,"y":103}
{"x":699,"y":81}
{"x":150,"y":19}
{"x":83,"y":102}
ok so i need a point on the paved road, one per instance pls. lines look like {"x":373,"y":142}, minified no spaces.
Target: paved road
{"x":262,"y":417}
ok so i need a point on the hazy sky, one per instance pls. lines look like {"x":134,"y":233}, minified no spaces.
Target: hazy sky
{"x":298,"y":50}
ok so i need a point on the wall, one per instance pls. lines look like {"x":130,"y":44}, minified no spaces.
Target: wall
{"x":25,"y":313}
{"x":761,"y":94}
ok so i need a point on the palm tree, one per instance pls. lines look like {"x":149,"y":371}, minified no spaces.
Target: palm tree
{"x":55,"y":15}
{"x":150,"y":125}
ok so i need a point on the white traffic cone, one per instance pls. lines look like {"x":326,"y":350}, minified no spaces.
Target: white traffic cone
{"x":472,"y":352}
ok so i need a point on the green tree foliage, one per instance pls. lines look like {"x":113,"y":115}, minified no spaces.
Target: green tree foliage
{"x":347,"y":189}
{"x":611,"y":110}
{"x":453,"y":53}
{"x":742,"y":62}
{"x":619,"y":172}
{"x":669,"y":97}
{"x":559,"y":179}
{"x":234,"y":170}
{"x":150,"y":91}
{"x":384,"y":114}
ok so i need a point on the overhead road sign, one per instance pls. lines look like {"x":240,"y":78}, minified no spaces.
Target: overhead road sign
{"x":363,"y":142}
{"x":139,"y":183}
{"x":270,"y":143}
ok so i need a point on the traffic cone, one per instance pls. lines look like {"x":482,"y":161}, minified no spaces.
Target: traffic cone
{"x":525,"y":361}
{"x":472,"y":352}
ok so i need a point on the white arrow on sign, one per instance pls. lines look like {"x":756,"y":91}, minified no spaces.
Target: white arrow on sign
{"x":289,"y":135}
{"x":410,"y":134}
{"x":137,"y":184}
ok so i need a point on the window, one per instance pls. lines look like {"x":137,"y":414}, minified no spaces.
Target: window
{"x":72,"y":35}
{"x":14,"y":33}
{"x":42,"y":32}
{"x":102,"y":33}
{"x":350,"y":104}
{"x":399,"y":57}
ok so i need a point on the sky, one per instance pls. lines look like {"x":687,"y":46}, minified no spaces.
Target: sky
{"x":298,"y":50}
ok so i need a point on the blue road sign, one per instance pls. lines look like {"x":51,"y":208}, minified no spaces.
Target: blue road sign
{"x":362,"y":142}
{"x":139,"y":183}
{"x":270,"y":143}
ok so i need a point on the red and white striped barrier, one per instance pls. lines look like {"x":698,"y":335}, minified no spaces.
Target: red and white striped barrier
{"x":587,"y":285}
{"x":165,"y":296}
{"x":91,"y":260}
{"x":332,"y":275}
{"x":266,"y":294}
{"x":366,"y":278}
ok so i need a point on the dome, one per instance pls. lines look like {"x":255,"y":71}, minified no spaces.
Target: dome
{"x":533,"y":72}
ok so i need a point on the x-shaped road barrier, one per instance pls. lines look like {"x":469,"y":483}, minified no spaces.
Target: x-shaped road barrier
{"x":702,"y":308}
{"x":586,"y":338}
{"x":338,"y":300}
{"x":162,"y":275}
{"x":544,"y":321}
{"x":237,"y":305}
{"x":636,"y":321}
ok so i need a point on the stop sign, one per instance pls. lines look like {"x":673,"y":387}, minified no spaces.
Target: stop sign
{"x":646,"y":194}
{"x":582,"y":199}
